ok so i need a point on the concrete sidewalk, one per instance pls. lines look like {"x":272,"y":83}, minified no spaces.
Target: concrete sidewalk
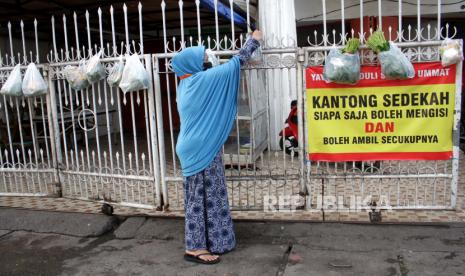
{"x":55,"y":243}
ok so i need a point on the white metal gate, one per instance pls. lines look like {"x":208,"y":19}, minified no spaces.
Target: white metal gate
{"x":99,"y":159}
{"x":253,"y":170}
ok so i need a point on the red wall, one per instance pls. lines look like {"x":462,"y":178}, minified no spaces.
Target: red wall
{"x":372,"y":22}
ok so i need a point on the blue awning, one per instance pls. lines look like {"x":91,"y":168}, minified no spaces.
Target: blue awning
{"x":225,"y":12}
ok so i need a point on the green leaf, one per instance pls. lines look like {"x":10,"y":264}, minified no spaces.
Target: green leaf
{"x":352,"y":46}
{"x":377,"y":42}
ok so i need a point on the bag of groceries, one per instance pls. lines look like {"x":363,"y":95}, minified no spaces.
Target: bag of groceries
{"x":13,"y":85}
{"x":94,"y":68}
{"x":394,"y":64}
{"x":33,"y":82}
{"x":134,"y":76}
{"x":76,"y":76}
{"x":343,"y":66}
{"x":116,"y":72}
{"x":451,"y":52}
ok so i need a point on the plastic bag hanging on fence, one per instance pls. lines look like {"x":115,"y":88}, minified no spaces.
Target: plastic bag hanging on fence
{"x":212,"y":58}
{"x":394,"y":64}
{"x":76,"y":76}
{"x":451,"y":52}
{"x":343,"y":66}
{"x":33,"y":82}
{"x":256,"y":57}
{"x":134,"y":75}
{"x":12,"y":86}
{"x":116,"y":72}
{"x":94,"y":68}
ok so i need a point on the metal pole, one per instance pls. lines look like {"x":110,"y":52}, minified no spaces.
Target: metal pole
{"x":160,"y":132}
{"x":55,"y":143}
{"x":456,"y":133}
{"x":153,"y":130}
{"x":300,"y":118}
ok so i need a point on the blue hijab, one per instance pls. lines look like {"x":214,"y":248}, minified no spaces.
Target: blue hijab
{"x":207,"y":105}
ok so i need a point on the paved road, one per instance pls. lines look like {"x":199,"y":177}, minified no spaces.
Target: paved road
{"x":51,"y":243}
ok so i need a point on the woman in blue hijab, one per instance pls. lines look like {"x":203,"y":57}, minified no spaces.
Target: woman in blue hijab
{"x":207,"y":105}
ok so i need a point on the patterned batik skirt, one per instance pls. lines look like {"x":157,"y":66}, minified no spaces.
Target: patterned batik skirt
{"x":208,"y":223}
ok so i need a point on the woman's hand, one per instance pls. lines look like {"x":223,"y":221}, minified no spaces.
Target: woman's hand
{"x":257,"y":35}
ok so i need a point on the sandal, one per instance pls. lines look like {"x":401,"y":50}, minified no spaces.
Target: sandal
{"x":197,"y":259}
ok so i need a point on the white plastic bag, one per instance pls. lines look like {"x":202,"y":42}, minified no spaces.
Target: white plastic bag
{"x":451,"y":52}
{"x":76,"y":76}
{"x":134,"y":75}
{"x":33,"y":82}
{"x":395,"y":65}
{"x":212,"y":58}
{"x":94,"y":68}
{"x":116,"y":72}
{"x":343,"y":68}
{"x":12,"y":86}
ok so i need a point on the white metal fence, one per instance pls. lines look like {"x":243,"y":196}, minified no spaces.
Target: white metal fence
{"x":101,"y":144}
{"x":405,"y":184}
{"x":27,"y":152}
